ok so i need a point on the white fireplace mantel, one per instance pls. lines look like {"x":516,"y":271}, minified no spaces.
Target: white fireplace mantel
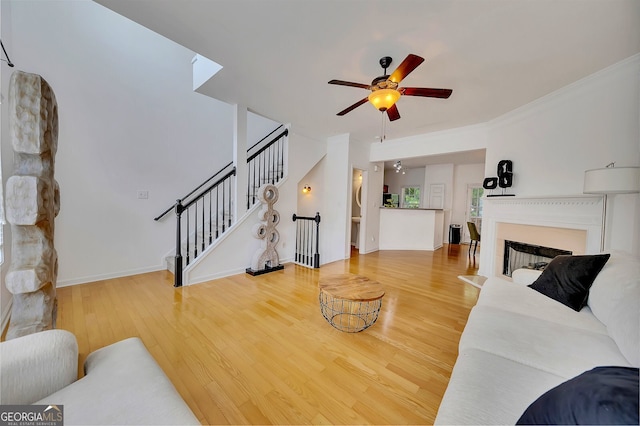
{"x":568,"y":212}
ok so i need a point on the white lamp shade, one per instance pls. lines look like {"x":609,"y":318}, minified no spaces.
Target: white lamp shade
{"x":612,"y":180}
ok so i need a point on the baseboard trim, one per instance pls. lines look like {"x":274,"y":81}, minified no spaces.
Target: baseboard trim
{"x":227,"y":273}
{"x":371,"y":250}
{"x":215,"y":276}
{"x":102,"y":277}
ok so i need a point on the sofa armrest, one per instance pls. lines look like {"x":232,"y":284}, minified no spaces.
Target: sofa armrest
{"x":123,"y":385}
{"x":525,"y":276}
{"x":37,"y":365}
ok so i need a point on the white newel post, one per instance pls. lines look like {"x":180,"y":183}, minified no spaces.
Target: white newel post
{"x":240,"y":161}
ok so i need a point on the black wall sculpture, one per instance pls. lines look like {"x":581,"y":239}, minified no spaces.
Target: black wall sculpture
{"x":503,"y":180}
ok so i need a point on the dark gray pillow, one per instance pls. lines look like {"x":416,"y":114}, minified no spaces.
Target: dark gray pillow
{"x":567,"y":279}
{"x":602,"y":396}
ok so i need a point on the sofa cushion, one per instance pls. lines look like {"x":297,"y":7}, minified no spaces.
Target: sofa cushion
{"x":488,"y":389}
{"x":614,"y":299}
{"x":567,"y":279}
{"x":37,"y":365}
{"x":501,"y":294}
{"x":525,"y":276}
{"x":602,"y":396}
{"x":123,"y":385}
{"x":556,"y":348}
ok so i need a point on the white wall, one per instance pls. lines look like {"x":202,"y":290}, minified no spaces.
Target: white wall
{"x":129,"y":121}
{"x":369,"y":241}
{"x":393,"y":181}
{"x":467,"y":138}
{"x":314,"y":201}
{"x":258,"y":127}
{"x":334,"y":242}
{"x":412,"y":177}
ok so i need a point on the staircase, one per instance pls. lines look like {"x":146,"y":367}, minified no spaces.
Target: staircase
{"x":206,"y":213}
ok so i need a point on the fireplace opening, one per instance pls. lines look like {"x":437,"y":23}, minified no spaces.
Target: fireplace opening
{"x":521,"y":255}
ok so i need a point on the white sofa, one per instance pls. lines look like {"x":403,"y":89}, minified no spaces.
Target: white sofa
{"x":519,"y":343}
{"x":122,"y":385}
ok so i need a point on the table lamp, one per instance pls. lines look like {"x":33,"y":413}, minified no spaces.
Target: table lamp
{"x":611,"y":180}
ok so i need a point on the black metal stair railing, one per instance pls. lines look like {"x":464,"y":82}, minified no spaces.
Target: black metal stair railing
{"x":164,"y":213}
{"x":202,"y":218}
{"x":265,"y":163}
{"x":307,"y":250}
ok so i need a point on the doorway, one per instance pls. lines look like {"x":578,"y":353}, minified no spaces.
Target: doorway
{"x":473,"y":213}
{"x":358,"y":210}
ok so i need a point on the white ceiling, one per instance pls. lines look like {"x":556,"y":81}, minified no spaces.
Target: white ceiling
{"x":496,"y":55}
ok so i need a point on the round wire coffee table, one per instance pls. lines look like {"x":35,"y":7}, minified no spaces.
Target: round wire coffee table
{"x":349,"y":302}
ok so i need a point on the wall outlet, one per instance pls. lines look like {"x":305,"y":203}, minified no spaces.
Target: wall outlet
{"x":143,"y":195}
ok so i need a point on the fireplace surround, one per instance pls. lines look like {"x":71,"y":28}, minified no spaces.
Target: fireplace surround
{"x":571,"y":223}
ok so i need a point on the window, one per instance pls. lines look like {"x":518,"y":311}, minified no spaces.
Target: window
{"x":475,"y":212}
{"x":474,"y":208}
{"x":410,"y":197}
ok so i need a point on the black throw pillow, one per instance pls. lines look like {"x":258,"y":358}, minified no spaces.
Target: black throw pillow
{"x":602,"y":396}
{"x":567,"y":279}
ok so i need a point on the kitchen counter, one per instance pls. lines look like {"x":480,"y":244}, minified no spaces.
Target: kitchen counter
{"x":411,"y":229}
{"x":408,"y":208}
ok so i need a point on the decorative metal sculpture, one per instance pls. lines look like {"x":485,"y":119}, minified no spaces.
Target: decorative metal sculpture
{"x":503,"y":180}
{"x":32,"y":203}
{"x":266,"y":257}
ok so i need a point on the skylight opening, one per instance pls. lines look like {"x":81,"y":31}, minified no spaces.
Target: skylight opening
{"x":203,"y":70}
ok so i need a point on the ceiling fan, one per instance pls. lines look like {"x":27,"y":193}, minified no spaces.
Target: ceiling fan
{"x":385,"y":91}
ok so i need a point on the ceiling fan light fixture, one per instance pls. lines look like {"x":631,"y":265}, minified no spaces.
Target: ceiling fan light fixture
{"x":383,"y":99}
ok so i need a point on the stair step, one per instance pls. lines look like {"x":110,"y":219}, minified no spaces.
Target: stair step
{"x":171,"y":264}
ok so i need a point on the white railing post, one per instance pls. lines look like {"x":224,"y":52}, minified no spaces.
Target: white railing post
{"x":240,"y":161}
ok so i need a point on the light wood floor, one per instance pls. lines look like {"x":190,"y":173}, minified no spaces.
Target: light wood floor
{"x":256,"y":350}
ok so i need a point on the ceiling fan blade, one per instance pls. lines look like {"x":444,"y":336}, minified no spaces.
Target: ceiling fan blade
{"x":393,"y":113}
{"x":349,"y":83}
{"x":426,"y":92}
{"x":354,"y":106}
{"x":409,"y":64}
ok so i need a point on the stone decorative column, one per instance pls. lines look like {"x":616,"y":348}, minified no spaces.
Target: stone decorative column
{"x":32,"y":203}
{"x":266,"y":258}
